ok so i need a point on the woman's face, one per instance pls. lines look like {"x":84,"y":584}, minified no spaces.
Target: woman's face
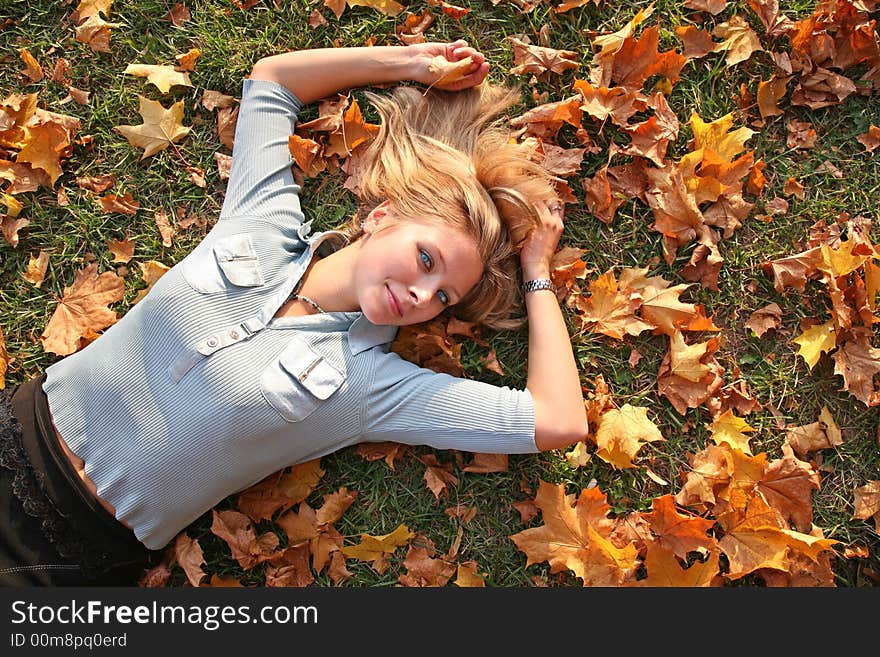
{"x":409,"y":271}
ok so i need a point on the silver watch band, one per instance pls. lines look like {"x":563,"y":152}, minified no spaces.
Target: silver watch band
{"x":539,"y":284}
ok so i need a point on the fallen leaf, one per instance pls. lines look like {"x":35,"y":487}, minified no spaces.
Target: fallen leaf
{"x":622,"y":433}
{"x":82,"y":309}
{"x":36,"y":269}
{"x":161,"y":127}
{"x":163,"y":77}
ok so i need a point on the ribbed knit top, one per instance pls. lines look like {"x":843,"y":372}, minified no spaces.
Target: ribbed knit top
{"x":199,"y":391}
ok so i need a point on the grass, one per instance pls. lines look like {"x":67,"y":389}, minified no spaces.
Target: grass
{"x":232,"y":39}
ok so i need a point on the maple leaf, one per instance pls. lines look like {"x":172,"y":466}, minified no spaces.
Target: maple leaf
{"x":815,"y":341}
{"x":280,"y":490}
{"x":610,"y":310}
{"x":822,"y":434}
{"x":95,"y":31}
{"x":151,"y":271}
{"x":683,"y":393}
{"x":866,"y":502}
{"x":122,"y":250}
{"x":685,"y":360}
{"x":163,"y":77}
{"x":438,"y":475}
{"x":788,"y":485}
{"x":635,"y":60}
{"x":574,"y":538}
{"x":679,"y":533}
{"x":82,"y":310}
{"x":728,"y":428}
{"x":190,"y":557}
{"x":660,"y":303}
{"x":290,"y":568}
{"x":384,"y":450}
{"x":36,"y":269}
{"x":757,"y":542}
{"x":467,"y":575}
{"x":611,"y":43}
{"x":621,"y":434}
{"x":43,"y":147}
{"x":353,"y":132}
{"x":423,"y":568}
{"x":764,"y":319}
{"x":529,"y":58}
{"x":487,"y":463}
{"x":448,"y":72}
{"x":122,"y":204}
{"x":710,"y":472}
{"x":739,"y":40}
{"x":578,"y":456}
{"x":88,"y":8}
{"x":794,"y":271}
{"x":378,"y":548}
{"x":161,"y":127}
{"x":665,"y":570}
{"x":387,"y":7}
{"x":307,"y":154}
{"x":870,"y":139}
{"x":857,"y":362}
{"x":237,"y":530}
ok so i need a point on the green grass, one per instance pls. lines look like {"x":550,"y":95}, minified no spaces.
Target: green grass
{"x":231,"y":40}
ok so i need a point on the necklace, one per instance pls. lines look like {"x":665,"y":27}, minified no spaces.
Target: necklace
{"x":303,"y":297}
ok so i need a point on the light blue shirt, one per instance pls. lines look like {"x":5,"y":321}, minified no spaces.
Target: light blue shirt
{"x":199,"y":392}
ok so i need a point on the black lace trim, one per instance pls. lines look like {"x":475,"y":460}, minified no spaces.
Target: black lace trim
{"x":29,"y":487}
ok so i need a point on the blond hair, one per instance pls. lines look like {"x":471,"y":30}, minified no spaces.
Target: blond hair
{"x":447,"y":157}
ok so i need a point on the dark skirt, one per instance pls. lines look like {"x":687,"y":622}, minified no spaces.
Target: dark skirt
{"x":52,"y":530}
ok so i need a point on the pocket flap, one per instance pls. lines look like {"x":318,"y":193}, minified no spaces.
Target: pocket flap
{"x":237,"y":258}
{"x":317,"y":374}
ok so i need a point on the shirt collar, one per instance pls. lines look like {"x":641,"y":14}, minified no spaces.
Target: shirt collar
{"x":362,"y":334}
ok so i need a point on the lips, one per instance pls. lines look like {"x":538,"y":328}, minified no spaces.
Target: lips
{"x":392,"y":301}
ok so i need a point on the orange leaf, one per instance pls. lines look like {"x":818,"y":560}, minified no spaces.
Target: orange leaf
{"x":83,"y":309}
{"x":574,"y":537}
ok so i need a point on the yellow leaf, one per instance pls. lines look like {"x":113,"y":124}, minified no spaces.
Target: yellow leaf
{"x":447,"y":71}
{"x":579,"y":456}
{"x":716,"y":136}
{"x":622,"y":432}
{"x":728,"y":428}
{"x":160,"y":128}
{"x":685,"y":359}
{"x":152,"y":271}
{"x":387,"y":7}
{"x":740,"y":40}
{"x":467,"y":575}
{"x":164,"y":77}
{"x":373,"y":547}
{"x":36,"y":269}
{"x":841,"y":261}
{"x":815,"y":341}
{"x":610,"y":43}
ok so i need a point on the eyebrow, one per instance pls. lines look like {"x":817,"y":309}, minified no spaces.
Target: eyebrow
{"x":440,"y":255}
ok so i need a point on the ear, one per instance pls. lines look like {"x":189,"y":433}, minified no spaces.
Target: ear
{"x":376,"y":216}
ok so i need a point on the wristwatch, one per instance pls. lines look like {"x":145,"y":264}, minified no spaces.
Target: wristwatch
{"x":539,"y":284}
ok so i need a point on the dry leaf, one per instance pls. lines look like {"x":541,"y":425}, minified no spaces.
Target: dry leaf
{"x":161,"y":127}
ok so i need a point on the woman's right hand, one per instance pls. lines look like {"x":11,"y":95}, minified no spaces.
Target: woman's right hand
{"x":423,"y":55}
{"x":541,"y":243}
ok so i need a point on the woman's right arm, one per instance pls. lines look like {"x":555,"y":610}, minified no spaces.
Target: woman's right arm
{"x":553,"y":379}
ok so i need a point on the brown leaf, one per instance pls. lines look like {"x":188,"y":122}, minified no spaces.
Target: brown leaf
{"x":866,"y":502}
{"x":189,"y":556}
{"x":677,"y":532}
{"x":764,"y":319}
{"x":166,"y":230}
{"x":437,"y":475}
{"x":857,"y":362}
{"x":227,"y":118}
{"x":487,"y":463}
{"x":95,"y":31}
{"x":290,"y":568}
{"x":467,"y":575}
{"x":739,"y":40}
{"x":122,"y":250}
{"x":82,"y":309}
{"x":179,"y":14}
{"x":425,"y":569}
{"x":238,"y":531}
{"x":212,"y":100}
{"x":870,"y":139}
{"x":97,"y":184}
{"x":528,"y":58}
{"x":32,"y":70}
{"x":280,"y":490}
{"x":822,"y":434}
{"x":36,"y":269}
{"x":121,"y":204}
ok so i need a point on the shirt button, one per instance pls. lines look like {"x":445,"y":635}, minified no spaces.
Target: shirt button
{"x":233,"y":334}
{"x":212,"y":342}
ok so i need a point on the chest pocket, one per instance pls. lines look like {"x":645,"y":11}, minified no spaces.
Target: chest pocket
{"x":231,"y":261}
{"x":298,"y":381}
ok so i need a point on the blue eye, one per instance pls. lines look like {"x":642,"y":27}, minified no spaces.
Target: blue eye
{"x":426,"y":259}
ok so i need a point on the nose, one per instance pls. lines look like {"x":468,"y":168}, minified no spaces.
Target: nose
{"x":420,"y":294}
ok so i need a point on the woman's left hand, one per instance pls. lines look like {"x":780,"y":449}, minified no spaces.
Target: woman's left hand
{"x":424,"y":53}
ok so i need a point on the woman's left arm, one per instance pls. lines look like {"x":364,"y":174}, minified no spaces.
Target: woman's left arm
{"x":320,"y":72}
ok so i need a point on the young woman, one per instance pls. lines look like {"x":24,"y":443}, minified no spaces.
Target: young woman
{"x":268,"y":345}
